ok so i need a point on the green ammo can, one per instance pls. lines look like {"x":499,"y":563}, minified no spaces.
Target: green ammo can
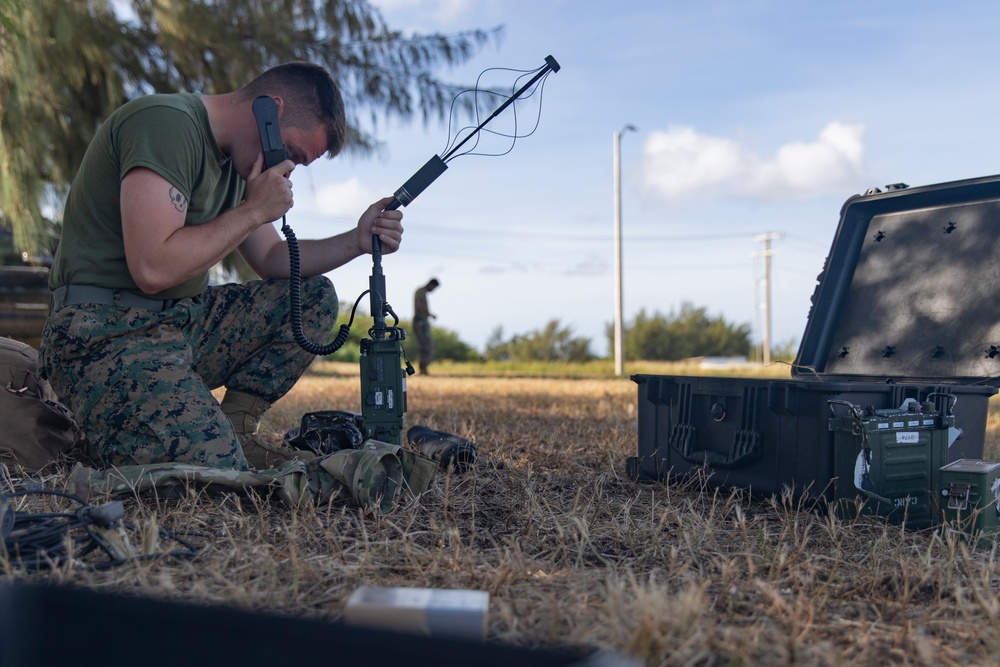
{"x":889,"y":461}
{"x":970,"y":496}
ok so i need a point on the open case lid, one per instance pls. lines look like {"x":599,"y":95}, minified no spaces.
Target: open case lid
{"x":911,"y":288}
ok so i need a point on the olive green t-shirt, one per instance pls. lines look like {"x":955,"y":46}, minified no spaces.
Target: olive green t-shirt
{"x":169,"y":134}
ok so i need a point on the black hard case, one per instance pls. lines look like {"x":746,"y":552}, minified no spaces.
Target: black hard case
{"x":907,"y":306}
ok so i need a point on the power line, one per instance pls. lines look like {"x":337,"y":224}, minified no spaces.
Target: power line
{"x":599,"y":238}
{"x":522,"y":234}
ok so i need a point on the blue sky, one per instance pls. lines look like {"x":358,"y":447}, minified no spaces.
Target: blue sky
{"x":752,"y":117}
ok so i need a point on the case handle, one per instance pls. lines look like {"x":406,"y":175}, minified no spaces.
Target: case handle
{"x":952,"y":398}
{"x":853,"y":409}
{"x":744,"y":451}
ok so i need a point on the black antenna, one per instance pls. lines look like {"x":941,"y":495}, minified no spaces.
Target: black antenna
{"x":417,"y":184}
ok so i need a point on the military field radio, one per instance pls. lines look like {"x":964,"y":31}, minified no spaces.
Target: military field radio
{"x":383,"y":379}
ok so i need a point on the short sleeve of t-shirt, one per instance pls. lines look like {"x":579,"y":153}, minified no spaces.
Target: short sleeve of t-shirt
{"x":164,"y":139}
{"x":169,"y":134}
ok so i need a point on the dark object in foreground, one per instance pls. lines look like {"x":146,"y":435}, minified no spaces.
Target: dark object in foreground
{"x":53,"y":625}
{"x":446,"y":448}
{"x":24,"y":302}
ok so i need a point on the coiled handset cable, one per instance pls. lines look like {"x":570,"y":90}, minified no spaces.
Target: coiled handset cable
{"x":265,"y":110}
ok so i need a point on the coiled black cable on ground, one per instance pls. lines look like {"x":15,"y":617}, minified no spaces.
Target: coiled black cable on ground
{"x":35,"y":541}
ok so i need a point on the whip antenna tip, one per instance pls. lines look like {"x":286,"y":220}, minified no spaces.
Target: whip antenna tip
{"x":551,"y":62}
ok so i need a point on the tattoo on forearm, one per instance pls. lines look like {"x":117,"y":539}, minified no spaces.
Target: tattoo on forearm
{"x":179,"y":201}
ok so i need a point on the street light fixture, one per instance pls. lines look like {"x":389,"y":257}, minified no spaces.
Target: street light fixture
{"x":619,"y":326}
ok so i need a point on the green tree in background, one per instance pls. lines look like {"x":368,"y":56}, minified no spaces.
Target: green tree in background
{"x":688,"y":333}
{"x":551,"y":343}
{"x":65,"y":65}
{"x":447,"y":344}
{"x":782,"y":351}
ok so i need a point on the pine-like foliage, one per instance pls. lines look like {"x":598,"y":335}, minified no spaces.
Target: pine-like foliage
{"x":64,"y":66}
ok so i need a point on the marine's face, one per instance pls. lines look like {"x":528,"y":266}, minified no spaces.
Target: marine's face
{"x":302,"y":146}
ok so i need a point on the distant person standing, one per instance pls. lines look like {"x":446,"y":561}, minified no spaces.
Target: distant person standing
{"x":422,"y":325}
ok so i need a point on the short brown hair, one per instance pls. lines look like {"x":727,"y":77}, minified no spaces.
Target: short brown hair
{"x":312,"y":96}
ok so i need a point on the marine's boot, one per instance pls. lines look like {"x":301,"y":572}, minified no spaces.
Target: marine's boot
{"x":244,"y":411}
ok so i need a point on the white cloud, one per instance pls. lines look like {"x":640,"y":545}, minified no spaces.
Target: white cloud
{"x":349,"y":198}
{"x":680,"y":162}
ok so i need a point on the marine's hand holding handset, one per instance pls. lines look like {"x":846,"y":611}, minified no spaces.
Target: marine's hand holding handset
{"x":265,"y":110}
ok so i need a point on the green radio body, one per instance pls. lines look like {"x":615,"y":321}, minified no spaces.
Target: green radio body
{"x":888,"y":462}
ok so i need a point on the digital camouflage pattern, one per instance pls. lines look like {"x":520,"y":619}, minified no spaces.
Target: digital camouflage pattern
{"x":370,"y":477}
{"x":139,"y":382}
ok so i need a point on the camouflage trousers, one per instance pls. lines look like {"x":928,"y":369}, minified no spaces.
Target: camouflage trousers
{"x":140,"y":383}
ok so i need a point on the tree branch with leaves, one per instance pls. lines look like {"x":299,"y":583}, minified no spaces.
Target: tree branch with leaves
{"x":64,"y":66}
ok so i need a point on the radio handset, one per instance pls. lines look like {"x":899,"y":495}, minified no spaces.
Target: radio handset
{"x":265,"y":110}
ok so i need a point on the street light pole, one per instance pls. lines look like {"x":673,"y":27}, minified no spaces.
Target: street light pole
{"x":619,"y":326}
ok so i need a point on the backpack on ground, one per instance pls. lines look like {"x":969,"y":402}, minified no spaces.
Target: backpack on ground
{"x":35,"y":428}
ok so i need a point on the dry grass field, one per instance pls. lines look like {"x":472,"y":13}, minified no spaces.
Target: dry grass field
{"x":573,"y":553}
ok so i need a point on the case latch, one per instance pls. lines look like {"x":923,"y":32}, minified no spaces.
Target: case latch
{"x":958,"y":496}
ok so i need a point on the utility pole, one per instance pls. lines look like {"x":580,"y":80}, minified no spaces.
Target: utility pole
{"x":619,"y":325}
{"x":767,"y":252}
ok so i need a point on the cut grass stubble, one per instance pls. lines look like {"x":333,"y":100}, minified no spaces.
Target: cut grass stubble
{"x":574,"y":553}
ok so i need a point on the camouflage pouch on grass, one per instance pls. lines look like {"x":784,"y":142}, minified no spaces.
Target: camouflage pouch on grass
{"x":35,"y":428}
{"x":328,"y":431}
{"x":169,"y":479}
{"x":370,"y":477}
{"x":418,"y":471}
